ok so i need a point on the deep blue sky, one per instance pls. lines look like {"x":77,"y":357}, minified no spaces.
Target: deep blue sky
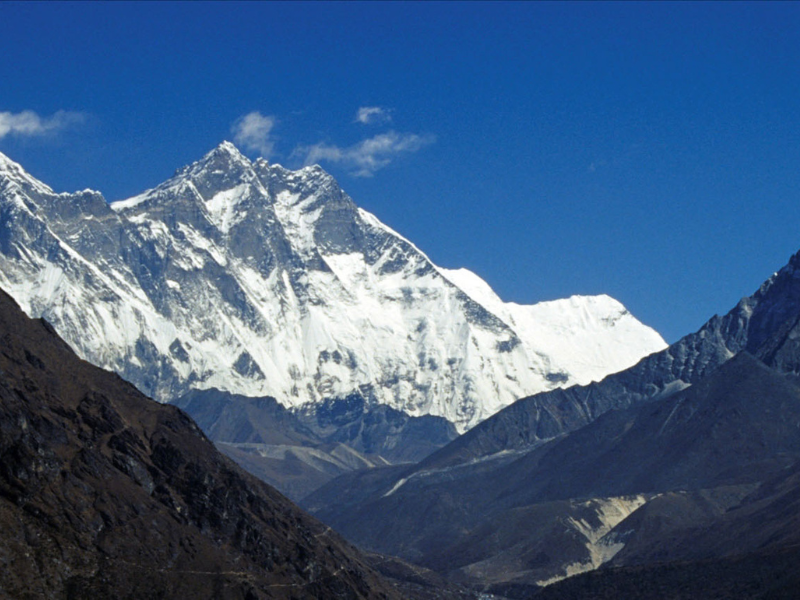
{"x":648,"y":151}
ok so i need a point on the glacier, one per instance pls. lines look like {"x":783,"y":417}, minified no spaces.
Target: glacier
{"x":259,"y":280}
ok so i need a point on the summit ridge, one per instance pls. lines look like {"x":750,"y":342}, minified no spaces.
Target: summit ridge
{"x":255,"y":279}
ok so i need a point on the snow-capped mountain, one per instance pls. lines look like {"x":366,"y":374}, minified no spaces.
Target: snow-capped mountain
{"x":258,"y":280}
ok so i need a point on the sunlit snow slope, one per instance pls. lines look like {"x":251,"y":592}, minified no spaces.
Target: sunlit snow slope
{"x":258,"y":280}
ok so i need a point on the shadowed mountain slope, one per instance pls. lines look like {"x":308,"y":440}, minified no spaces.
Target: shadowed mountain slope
{"x":107,"y":494}
{"x":736,"y":427}
{"x":299,"y":452}
{"x":764,"y":324}
{"x":750,"y":552}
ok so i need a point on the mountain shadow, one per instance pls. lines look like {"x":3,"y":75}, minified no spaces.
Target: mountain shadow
{"x":107,"y":494}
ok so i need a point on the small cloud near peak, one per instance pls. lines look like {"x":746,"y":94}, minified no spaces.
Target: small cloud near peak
{"x":367,"y":156}
{"x":28,"y":123}
{"x":253,"y":132}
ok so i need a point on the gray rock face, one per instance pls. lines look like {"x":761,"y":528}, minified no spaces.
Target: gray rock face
{"x":254,"y":279}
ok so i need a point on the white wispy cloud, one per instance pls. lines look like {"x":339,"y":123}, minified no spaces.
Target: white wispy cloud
{"x":372,"y":115}
{"x":253,"y":132}
{"x":367,"y":156}
{"x":28,"y":123}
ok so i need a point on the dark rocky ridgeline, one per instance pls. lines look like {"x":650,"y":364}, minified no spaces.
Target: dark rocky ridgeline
{"x":107,"y":494}
{"x":765,"y":324}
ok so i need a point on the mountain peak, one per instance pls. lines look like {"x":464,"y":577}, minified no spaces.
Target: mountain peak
{"x":13,"y":171}
{"x":221,"y":169}
{"x":230,"y":149}
{"x":267,"y":281}
{"x":224,"y":156}
{"x":10,"y":168}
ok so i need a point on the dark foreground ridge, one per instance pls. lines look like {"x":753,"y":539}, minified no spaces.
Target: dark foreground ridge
{"x":107,"y":494}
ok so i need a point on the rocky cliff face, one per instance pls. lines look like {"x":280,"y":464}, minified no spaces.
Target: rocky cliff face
{"x":107,"y":494}
{"x":254,"y":279}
